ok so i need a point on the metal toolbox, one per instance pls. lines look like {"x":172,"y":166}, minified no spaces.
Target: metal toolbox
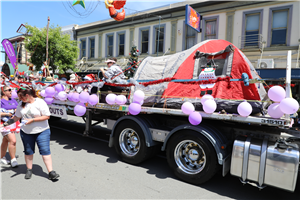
{"x":264,"y":163}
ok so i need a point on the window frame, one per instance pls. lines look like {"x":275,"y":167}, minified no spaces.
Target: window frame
{"x":118,"y":42}
{"x":107,"y":44}
{"x":184,"y":39}
{"x":140,"y":39}
{"x":90,"y":47}
{"x":204,"y":20}
{"x":289,"y":25}
{"x":81,"y":49}
{"x":154,"y":42}
{"x":244,"y":25}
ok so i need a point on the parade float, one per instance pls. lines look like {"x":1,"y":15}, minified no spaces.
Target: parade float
{"x":206,"y":107}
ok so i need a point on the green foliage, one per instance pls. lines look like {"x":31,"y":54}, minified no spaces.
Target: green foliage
{"x":62,"y":51}
{"x":132,"y":64}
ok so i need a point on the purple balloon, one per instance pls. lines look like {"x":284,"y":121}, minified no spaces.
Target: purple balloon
{"x":70,"y":95}
{"x":274,"y":111}
{"x":289,"y":106}
{"x":49,"y":100}
{"x":93,"y":99}
{"x":138,"y":96}
{"x":110,"y":99}
{"x":75,"y":97}
{"x":62,"y":96}
{"x":206,"y":97}
{"x":124,"y":99}
{"x":244,"y":109}
{"x":50,"y":92}
{"x":120,"y":100}
{"x":59,"y":87}
{"x":84,"y":97}
{"x":187,"y":108}
{"x":14,"y":94}
{"x":276,"y":93}
{"x":209,"y":106}
{"x":195,"y":118}
{"x":79,"y":109}
{"x":134,"y":108}
{"x":43,"y":93}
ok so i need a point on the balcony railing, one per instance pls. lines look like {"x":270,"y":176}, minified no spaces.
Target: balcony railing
{"x":250,"y":41}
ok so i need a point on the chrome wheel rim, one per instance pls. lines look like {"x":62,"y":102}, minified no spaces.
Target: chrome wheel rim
{"x":190,"y":157}
{"x":129,"y":142}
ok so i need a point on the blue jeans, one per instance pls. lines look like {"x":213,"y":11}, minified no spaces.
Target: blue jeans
{"x":41,"y":139}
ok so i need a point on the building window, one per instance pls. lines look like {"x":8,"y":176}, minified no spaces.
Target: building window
{"x":121,"y":44}
{"x":83,"y":48}
{"x":280,"y":27}
{"x":110,"y":45}
{"x":190,"y":37}
{"x":210,"y":26}
{"x":210,"y":29}
{"x":19,"y":53}
{"x":252,"y":30}
{"x":92,"y":48}
{"x":145,"y":41}
{"x":159,"y":39}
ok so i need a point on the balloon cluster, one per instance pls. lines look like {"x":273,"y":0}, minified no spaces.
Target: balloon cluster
{"x":136,"y":106}
{"x":112,"y":99}
{"x":58,"y":92}
{"x":282,"y":104}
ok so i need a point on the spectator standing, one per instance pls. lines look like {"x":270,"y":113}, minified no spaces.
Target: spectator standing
{"x":35,"y":114}
{"x":9,"y":137}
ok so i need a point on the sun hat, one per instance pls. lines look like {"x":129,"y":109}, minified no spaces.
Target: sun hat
{"x":109,"y":60}
{"x":72,"y":77}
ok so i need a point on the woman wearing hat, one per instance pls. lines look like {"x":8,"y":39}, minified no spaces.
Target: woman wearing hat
{"x":113,"y":70}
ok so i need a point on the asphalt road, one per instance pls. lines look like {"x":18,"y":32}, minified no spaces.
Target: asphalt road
{"x":89,"y":169}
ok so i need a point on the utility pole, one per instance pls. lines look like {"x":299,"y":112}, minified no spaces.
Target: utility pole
{"x":47,"y":41}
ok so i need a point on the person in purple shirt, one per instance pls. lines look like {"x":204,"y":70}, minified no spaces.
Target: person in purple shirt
{"x":9,"y":138}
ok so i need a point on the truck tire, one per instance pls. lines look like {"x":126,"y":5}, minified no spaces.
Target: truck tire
{"x":192,"y":157}
{"x":130,"y":144}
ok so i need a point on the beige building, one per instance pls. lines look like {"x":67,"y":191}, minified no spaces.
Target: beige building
{"x":261,"y":29}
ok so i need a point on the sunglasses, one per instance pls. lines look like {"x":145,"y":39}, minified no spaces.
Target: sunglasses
{"x":7,"y":90}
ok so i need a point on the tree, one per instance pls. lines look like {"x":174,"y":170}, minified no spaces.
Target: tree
{"x":62,"y":51}
{"x":133,"y":63}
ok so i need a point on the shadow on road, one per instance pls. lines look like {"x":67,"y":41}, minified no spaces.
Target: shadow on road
{"x":228,"y":186}
{"x":21,"y":170}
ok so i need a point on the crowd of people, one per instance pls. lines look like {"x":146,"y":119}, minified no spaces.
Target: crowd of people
{"x":31,"y":115}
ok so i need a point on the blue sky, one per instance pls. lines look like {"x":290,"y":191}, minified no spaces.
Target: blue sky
{"x":34,"y":12}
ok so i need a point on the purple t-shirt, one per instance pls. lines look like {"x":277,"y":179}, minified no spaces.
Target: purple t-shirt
{"x":10,"y":104}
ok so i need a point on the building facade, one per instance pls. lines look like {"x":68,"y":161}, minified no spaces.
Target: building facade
{"x":262,"y":30}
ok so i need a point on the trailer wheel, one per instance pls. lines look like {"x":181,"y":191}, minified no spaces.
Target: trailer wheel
{"x":130,"y":143}
{"x":192,"y":157}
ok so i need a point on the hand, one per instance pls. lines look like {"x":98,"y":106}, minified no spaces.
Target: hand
{"x":9,"y":114}
{"x":29,"y":121}
{"x":1,"y":125}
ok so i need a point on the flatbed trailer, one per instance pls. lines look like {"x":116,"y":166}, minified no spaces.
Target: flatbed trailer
{"x":257,"y":149}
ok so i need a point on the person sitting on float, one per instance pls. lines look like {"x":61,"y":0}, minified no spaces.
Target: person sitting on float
{"x":114,"y":71}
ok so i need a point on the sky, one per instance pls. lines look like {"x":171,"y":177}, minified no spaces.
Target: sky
{"x":34,"y":12}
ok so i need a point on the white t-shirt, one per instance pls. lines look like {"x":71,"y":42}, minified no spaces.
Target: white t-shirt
{"x":32,"y":110}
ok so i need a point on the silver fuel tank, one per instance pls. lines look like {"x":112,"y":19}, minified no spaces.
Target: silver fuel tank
{"x":265,"y":163}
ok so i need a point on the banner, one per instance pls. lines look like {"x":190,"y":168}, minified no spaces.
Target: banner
{"x":10,"y":52}
{"x":192,"y":18}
